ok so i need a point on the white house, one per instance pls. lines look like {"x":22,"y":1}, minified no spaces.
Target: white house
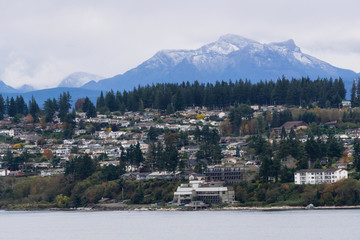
{"x":3,"y":172}
{"x":68,"y":141}
{"x":318,"y":176}
{"x":62,"y":151}
{"x":52,"y":172}
{"x":116,"y":134}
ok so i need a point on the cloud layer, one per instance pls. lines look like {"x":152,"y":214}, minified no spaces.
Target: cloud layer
{"x":44,"y":41}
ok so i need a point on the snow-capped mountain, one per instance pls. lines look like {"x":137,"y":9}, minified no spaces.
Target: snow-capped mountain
{"x":78,"y":79}
{"x":231,"y":57}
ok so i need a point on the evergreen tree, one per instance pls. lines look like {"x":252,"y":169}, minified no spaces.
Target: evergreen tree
{"x":356,"y":153}
{"x":160,"y":156}
{"x":172,"y":158}
{"x":358,"y":93}
{"x":34,"y":109}
{"x":89,"y":108}
{"x":151,"y":156}
{"x":239,"y":113}
{"x":153,"y":134}
{"x":138,"y":155}
{"x":49,"y":109}
{"x":64,"y":105}
{"x":265,"y":168}
{"x":210,"y":150}
{"x":275,"y":122}
{"x":111,"y":103}
{"x":169,"y":109}
{"x":12,"y":108}
{"x":7,"y":105}
{"x":80,"y":167}
{"x":21,"y":107}
{"x":100,"y":103}
{"x":2,"y":107}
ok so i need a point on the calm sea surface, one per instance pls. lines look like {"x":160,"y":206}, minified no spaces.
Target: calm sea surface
{"x":53,"y":225}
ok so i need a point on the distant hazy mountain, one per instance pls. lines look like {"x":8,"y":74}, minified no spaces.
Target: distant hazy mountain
{"x":78,"y":79}
{"x":25,"y":88}
{"x":231,"y":57}
{"x":6,"y":88}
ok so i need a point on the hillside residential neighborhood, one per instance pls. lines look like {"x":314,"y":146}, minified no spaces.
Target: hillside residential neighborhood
{"x":107,"y":136}
{"x":199,"y":156}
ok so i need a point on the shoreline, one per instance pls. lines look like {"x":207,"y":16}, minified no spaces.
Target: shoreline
{"x":124,"y":207}
{"x":230,"y":208}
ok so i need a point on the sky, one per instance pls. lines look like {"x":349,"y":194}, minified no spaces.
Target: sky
{"x":43,"y":41}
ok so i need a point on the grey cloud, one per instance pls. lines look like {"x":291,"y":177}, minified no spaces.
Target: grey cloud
{"x":43,"y":41}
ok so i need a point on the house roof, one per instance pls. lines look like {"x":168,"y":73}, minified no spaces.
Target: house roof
{"x":318,"y":170}
{"x":293,"y":124}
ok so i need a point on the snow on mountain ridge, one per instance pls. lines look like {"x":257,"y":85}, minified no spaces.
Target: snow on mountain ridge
{"x":216,"y":52}
{"x":237,"y":40}
{"x":78,"y":79}
{"x":229,"y":49}
{"x":230,"y":57}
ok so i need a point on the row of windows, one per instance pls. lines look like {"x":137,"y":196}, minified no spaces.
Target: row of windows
{"x":223,"y":169}
{"x":319,"y":173}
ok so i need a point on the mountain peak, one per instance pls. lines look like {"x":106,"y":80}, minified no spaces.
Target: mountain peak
{"x":4,"y":88}
{"x":233,"y":38}
{"x":236,"y":40}
{"x":26,"y":88}
{"x":289,"y":45}
{"x":230,"y":57}
{"x":78,"y":79}
{"x":227,"y":44}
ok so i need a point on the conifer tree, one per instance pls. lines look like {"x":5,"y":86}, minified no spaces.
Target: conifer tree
{"x":7,"y":105}
{"x":12,"y":108}
{"x":2,"y":107}
{"x":49,"y":110}
{"x":100,"y":103}
{"x":64,"y":105}
{"x":34,"y":109}
{"x":89,"y":108}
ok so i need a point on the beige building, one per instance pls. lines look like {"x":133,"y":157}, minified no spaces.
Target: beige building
{"x":208,"y":192}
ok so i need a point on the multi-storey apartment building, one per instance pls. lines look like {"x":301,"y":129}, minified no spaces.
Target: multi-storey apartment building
{"x":228,"y":174}
{"x":318,"y":176}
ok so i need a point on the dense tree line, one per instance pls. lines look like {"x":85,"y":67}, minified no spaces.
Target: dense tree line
{"x":314,"y":153}
{"x":17,"y":106}
{"x":344,"y":192}
{"x":173,"y":97}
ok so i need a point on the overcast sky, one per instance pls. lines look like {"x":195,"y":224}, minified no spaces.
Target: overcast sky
{"x":43,"y":41}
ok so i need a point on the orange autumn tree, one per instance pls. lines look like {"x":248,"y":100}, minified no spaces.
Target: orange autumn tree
{"x":48,"y":154}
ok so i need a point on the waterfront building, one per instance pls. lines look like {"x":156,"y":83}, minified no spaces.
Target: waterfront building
{"x":318,"y":176}
{"x":208,"y":192}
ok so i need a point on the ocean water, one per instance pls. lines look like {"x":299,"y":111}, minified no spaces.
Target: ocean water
{"x":199,"y":225}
